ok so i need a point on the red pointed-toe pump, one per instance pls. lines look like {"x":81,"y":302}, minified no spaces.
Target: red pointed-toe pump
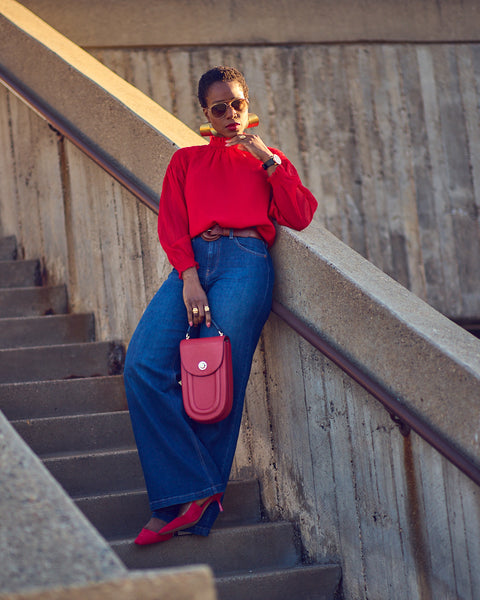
{"x":146,"y":537}
{"x":192,"y":516}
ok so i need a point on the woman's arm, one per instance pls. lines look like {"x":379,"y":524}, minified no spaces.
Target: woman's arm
{"x":173,"y":227}
{"x":292,"y":203}
{"x":175,"y":239}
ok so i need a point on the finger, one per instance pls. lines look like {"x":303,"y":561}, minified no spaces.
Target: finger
{"x":195,"y":316}
{"x":201,"y":312}
{"x":238,"y":139}
{"x":208,"y":315}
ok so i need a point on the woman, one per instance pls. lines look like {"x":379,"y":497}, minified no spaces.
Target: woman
{"x":216,"y":222}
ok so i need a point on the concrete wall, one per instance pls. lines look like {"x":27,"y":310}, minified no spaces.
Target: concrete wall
{"x":193,"y":583}
{"x":402,"y":522}
{"x":386,"y":136}
{"x":114,"y":23}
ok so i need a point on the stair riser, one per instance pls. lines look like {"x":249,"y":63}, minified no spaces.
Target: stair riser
{"x":40,"y":331}
{"x":98,"y":474}
{"x":21,"y":273}
{"x":57,"y":398}
{"x":8,"y":248}
{"x":263,"y":546}
{"x":123,"y":515}
{"x":319,"y":582}
{"x":77,"y":434}
{"x":60,"y":362}
{"x":28,"y":302}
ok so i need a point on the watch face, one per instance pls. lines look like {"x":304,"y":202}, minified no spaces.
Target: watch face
{"x":277,"y":160}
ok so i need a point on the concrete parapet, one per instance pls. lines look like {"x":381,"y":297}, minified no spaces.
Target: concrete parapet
{"x":192,"y":583}
{"x":426,"y":361}
{"x":182,"y":22}
{"x":45,"y":540}
{"x":74,"y":86}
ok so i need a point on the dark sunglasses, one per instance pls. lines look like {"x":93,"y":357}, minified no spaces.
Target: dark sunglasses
{"x":239,"y":104}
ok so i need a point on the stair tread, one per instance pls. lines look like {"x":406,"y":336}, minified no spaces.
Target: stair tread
{"x":60,"y":361}
{"x":41,"y":330}
{"x":39,"y":300}
{"x":245,"y":528}
{"x":69,"y":418}
{"x":96,"y":431}
{"x":62,"y":397}
{"x":312,"y":582}
{"x":57,"y":457}
{"x":227,"y":550}
{"x":122,"y":514}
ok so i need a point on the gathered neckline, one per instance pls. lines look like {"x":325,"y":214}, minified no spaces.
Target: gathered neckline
{"x":219,"y":142}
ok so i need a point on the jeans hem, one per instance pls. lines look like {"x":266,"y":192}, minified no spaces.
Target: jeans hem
{"x":190,"y":497}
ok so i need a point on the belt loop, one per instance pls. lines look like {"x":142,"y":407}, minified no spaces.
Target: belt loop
{"x":231,"y":234}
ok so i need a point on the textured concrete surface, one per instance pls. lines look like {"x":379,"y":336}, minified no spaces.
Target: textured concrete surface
{"x":427,"y":362}
{"x":203,"y":22}
{"x":67,"y":79}
{"x":44,"y":539}
{"x":192,"y":583}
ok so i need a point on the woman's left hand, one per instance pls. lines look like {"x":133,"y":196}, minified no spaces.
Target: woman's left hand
{"x":253,"y":143}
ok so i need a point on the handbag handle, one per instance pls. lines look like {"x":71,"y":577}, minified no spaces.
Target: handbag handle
{"x":187,"y":335}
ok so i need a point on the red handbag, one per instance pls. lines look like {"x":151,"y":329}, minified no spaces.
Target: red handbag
{"x":207,"y":377}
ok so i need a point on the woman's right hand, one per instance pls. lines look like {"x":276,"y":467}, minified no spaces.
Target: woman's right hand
{"x":194,"y":297}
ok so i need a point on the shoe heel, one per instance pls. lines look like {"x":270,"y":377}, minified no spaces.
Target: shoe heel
{"x":217,"y":498}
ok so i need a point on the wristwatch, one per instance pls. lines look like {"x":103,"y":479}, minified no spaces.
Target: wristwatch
{"x":273,"y":160}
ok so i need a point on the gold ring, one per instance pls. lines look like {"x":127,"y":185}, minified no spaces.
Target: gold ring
{"x":195,"y":310}
{"x":242,"y":137}
{"x":206,"y":308}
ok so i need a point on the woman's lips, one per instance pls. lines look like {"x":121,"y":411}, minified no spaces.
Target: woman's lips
{"x":233,"y":126}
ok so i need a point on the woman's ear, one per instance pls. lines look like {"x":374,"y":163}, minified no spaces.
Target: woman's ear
{"x":205,"y":112}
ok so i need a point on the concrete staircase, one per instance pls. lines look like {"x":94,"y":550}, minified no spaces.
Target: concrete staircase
{"x":63,"y":393}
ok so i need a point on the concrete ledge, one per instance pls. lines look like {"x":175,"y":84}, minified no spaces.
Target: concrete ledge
{"x":181,"y":22}
{"x":45,"y":540}
{"x":193,"y":583}
{"x":428,"y":362}
{"x":127,"y":125}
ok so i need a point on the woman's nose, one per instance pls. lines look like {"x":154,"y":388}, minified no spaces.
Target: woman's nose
{"x":231,"y":112}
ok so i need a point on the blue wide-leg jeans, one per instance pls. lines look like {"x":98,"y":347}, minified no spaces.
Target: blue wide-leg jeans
{"x":183,"y":460}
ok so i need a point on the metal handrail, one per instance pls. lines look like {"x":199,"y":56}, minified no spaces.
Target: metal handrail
{"x":406,"y":418}
{"x":400,"y":413}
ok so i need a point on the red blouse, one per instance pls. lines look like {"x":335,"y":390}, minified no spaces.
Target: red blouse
{"x":205,"y":185}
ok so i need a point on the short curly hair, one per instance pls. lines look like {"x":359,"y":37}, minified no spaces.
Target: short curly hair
{"x":219,"y":74}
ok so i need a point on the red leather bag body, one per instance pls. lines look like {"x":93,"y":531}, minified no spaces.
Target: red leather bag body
{"x":207,"y":378}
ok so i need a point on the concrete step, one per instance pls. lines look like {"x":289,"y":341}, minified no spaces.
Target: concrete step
{"x":8,"y":248}
{"x":20,"y":332}
{"x":42,"y":363}
{"x":78,"y":433}
{"x":86,"y":473}
{"x":123,"y":514}
{"x":227,"y":550}
{"x":26,"y":302}
{"x":305,"y":582}
{"x":62,"y":397}
{"x":20,"y":273}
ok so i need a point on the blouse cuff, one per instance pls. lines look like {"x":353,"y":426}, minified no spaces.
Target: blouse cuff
{"x":184,"y":268}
